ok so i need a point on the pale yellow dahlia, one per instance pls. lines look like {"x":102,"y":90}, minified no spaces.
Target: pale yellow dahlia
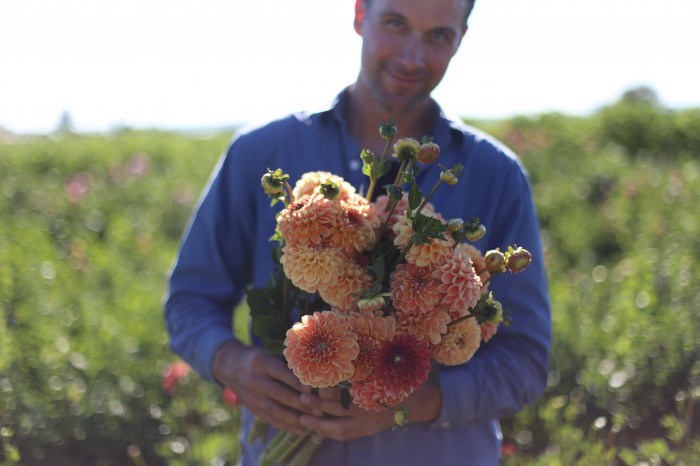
{"x":321,"y":348}
{"x":310,"y":182}
{"x":349,"y":278}
{"x":309,"y":221}
{"x":311,"y":267}
{"x":459,"y":285}
{"x":371,"y":330}
{"x":459,"y":344}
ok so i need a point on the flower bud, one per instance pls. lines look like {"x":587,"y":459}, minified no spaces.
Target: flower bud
{"x":367,"y":156}
{"x":406,"y":149}
{"x":401,"y":418}
{"x":271,"y":184}
{"x":387,"y":130}
{"x":475,"y":233}
{"x":455,"y":225}
{"x":329,"y":189}
{"x":428,"y":152}
{"x":371,"y":304}
{"x":448,"y":177}
{"x":495,"y":261}
{"x":519,"y":259}
{"x":492,"y":313}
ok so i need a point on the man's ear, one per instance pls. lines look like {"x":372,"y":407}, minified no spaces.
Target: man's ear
{"x":359,"y":15}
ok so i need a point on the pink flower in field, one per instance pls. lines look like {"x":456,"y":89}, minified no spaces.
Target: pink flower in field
{"x":309,"y":183}
{"x":230,"y":398}
{"x":509,"y":449}
{"x":139,"y":164}
{"x":177,"y":371}
{"x":371,"y":331}
{"x":459,"y":344}
{"x":349,"y":279}
{"x":488,"y":331}
{"x":458,"y":283}
{"x":321,"y":348}
{"x":309,"y":221}
{"x":311,"y":267}
{"x":402,"y":365}
{"x":77,"y":186}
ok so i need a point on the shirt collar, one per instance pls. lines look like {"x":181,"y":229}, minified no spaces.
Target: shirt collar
{"x":446,"y":131}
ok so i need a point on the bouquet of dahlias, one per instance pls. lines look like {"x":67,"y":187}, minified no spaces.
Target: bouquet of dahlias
{"x":367,"y":296}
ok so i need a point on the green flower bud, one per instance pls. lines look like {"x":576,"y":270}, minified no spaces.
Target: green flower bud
{"x":372,"y":304}
{"x":401,"y":418}
{"x":367,"y":156}
{"x":455,"y":225}
{"x":406,"y":149}
{"x":329,"y":189}
{"x":271,"y":183}
{"x":495,"y":261}
{"x":475,"y":233}
{"x":448,"y":177}
{"x":388,"y":130}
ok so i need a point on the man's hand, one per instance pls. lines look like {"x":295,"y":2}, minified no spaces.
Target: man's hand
{"x":263,"y":383}
{"x":345,"y":424}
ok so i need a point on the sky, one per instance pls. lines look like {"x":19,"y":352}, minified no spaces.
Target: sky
{"x":188,"y":64}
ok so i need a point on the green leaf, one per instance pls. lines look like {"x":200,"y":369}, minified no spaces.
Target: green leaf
{"x":415,"y":196}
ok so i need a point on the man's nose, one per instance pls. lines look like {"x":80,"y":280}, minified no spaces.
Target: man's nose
{"x":412,"y":53}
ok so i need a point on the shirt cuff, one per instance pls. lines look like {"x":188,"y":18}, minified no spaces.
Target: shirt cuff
{"x":459,"y":398}
{"x":207,"y":346}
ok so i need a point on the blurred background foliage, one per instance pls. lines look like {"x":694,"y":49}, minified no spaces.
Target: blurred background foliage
{"x":90,"y":226}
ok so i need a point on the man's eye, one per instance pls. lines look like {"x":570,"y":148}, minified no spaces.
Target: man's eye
{"x":395,"y":23}
{"x":439,"y":36}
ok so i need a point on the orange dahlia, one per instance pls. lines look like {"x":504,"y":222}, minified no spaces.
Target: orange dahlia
{"x":355,"y":230}
{"x":310,"y":267}
{"x":371,"y":396}
{"x":321,"y":348}
{"x":348,"y":279}
{"x":309,"y":220}
{"x":429,"y":324}
{"x":309,"y":183}
{"x":459,"y":284}
{"x":371,"y":330}
{"x":459,"y":344}
{"x":478,"y":262}
{"x":413,"y":287}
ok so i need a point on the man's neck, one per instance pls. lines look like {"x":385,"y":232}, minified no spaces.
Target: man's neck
{"x":365,"y":115}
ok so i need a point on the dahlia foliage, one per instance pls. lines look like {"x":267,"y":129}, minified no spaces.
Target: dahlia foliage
{"x":381,"y":289}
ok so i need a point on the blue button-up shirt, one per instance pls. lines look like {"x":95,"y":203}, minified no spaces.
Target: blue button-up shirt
{"x":226,"y":248}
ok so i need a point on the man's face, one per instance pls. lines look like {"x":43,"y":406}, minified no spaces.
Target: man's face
{"x":406,"y":47}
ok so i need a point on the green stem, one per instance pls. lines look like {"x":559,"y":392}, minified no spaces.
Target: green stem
{"x":427,"y":198}
{"x":373,"y":181}
{"x":307,"y":450}
{"x":286,"y":446}
{"x":461,"y":319}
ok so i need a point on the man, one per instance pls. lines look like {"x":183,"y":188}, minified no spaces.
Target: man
{"x":407,"y":46}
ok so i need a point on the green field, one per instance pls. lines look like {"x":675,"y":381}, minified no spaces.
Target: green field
{"x":90,"y":225}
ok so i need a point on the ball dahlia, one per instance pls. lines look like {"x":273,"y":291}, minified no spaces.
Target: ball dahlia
{"x":321,"y":348}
